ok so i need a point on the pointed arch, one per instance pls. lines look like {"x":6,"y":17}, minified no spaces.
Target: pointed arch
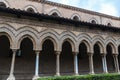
{"x":112,"y":42}
{"x":5,"y":2}
{"x":9,"y":37}
{"x":86,"y":39}
{"x":100,"y":42}
{"x":93,"y":20}
{"x":75,"y":16}
{"x":2,"y":4}
{"x":70,"y":39}
{"x":27,"y":34}
{"x":56,"y":12}
{"x":109,"y":23}
{"x":7,"y":30}
{"x":51,"y":35}
{"x":33,"y":8}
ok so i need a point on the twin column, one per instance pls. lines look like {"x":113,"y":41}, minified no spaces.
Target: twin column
{"x":91,"y":63}
{"x":105,"y":70}
{"x":115,"y":56}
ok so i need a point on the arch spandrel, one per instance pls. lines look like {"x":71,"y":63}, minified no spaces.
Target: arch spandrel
{"x":110,"y":39}
{"x":118,"y":42}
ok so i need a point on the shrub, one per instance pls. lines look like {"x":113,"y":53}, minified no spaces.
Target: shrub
{"x":87,"y":77}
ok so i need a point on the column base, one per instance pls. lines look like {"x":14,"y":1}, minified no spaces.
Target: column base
{"x":76,"y":74}
{"x":105,"y":72}
{"x":91,"y":73}
{"x":118,"y":72}
{"x":35,"y":77}
{"x":11,"y":77}
{"x":57,"y":74}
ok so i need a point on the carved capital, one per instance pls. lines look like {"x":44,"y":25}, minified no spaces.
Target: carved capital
{"x":14,"y":50}
{"x":103,"y":54}
{"x":115,"y":55}
{"x":37,"y":51}
{"x":90,"y":54}
{"x":75,"y":53}
{"x":57,"y":52}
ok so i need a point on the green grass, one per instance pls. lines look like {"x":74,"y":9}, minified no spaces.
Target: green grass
{"x":85,"y":77}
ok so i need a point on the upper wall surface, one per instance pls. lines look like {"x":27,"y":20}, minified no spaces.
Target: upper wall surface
{"x":65,"y":11}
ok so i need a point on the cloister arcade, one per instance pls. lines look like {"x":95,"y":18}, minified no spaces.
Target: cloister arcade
{"x":48,"y":53}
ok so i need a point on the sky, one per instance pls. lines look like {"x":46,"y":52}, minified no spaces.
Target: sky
{"x":110,"y":7}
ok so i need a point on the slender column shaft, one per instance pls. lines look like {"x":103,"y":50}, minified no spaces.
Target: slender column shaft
{"x":91,"y":63}
{"x":115,"y":56}
{"x":104,"y":63}
{"x":75,"y":64}
{"x":36,"y":76}
{"x":37,"y":64}
{"x":106,"y":69}
{"x":11,"y":76}
{"x":57,"y":63}
{"x":13,"y":62}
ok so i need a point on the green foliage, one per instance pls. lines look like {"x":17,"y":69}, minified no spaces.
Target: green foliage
{"x":87,"y":77}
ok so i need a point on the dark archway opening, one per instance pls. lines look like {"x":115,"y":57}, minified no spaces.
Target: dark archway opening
{"x":110,"y":60}
{"x":2,"y":4}
{"x":48,"y":59}
{"x":76,"y":18}
{"x":55,"y":14}
{"x":93,"y":22}
{"x":66,"y":59}
{"x":108,"y":24}
{"x":30,"y":10}
{"x":25,"y":59}
{"x":97,"y":59}
{"x":119,"y":55}
{"x":5,"y":57}
{"x":83,"y":61}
